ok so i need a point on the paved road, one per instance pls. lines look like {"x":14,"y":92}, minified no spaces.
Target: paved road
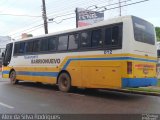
{"x":34,"y":98}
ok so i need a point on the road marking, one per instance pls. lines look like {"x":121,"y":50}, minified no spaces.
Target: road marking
{"x":5,"y":105}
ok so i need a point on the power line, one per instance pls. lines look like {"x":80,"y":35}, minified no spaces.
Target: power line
{"x":81,"y":3}
{"x":59,"y":13}
{"x":117,"y":3}
{"x":48,"y":22}
{"x":39,"y":26}
{"x":30,"y":31}
{"x":19,"y":15}
{"x":31,"y":24}
{"x":27,"y":29}
{"x":61,"y":20}
{"x":51,"y":19}
{"x":125,"y":5}
{"x":58,"y":22}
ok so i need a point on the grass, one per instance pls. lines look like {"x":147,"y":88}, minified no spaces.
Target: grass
{"x":148,"y":90}
{"x":158,"y":82}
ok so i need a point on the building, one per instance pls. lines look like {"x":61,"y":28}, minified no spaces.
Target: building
{"x":25,"y":35}
{"x":4,"y":40}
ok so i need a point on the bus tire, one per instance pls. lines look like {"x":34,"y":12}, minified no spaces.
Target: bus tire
{"x":64,"y":82}
{"x":12,"y":77}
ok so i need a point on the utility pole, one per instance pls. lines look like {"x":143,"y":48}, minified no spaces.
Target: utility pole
{"x":44,"y":17}
{"x":76,"y":17}
{"x":120,"y":11}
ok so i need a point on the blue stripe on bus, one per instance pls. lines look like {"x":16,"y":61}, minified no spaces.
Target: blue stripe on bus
{"x":113,"y":58}
{"x":5,"y":72}
{"x":55,"y":74}
{"x":47,"y":74}
{"x":138,"y":82}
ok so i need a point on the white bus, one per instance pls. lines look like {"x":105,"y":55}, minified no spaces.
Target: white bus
{"x":116,"y":53}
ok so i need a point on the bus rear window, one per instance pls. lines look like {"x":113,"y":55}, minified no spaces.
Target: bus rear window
{"x":143,"y":31}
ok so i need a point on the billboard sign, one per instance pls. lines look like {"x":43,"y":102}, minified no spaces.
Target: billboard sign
{"x":87,"y":17}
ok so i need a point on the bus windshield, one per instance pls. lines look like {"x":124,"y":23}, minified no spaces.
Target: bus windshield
{"x":8,"y":53}
{"x":143,"y":31}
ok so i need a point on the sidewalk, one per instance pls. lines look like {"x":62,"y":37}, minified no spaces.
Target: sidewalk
{"x":151,"y":90}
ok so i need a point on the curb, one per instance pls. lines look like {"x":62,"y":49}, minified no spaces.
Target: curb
{"x":135,"y":92}
{"x":144,"y":93}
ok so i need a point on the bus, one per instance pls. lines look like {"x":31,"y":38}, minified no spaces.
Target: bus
{"x":115,"y":54}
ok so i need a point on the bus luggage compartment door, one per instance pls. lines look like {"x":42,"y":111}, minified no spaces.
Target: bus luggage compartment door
{"x":101,"y":77}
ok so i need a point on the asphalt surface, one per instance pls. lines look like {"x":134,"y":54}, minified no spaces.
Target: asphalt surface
{"x":38,"y":98}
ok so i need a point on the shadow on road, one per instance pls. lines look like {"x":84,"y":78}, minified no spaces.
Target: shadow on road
{"x":106,"y":94}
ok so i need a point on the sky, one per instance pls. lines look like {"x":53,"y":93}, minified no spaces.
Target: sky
{"x":29,"y":12}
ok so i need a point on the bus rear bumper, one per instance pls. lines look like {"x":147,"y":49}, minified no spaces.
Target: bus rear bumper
{"x":139,"y":82}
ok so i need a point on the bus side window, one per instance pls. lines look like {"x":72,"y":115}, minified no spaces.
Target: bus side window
{"x":85,"y":39}
{"x":44,"y":45}
{"x":115,"y":35}
{"x":63,"y":42}
{"x":19,"y":48}
{"x":108,"y":36}
{"x":22,"y":47}
{"x":36,"y":46}
{"x":97,"y":38}
{"x":112,"y":36}
{"x":16,"y":48}
{"x":29,"y":47}
{"x":73,"y":41}
{"x":52,"y":44}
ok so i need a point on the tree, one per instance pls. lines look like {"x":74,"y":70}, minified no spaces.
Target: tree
{"x":158,"y":33}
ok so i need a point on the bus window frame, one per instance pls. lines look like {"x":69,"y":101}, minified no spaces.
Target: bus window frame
{"x":74,"y":33}
{"x":43,"y":39}
{"x":58,"y":42}
{"x":139,"y":21}
{"x":19,"y":54}
{"x":119,"y":45}
{"x":29,"y":53}
{"x":34,"y":46}
{"x":102,"y":37}
{"x":80,"y":40}
{"x":56,"y":39}
{"x":79,"y":49}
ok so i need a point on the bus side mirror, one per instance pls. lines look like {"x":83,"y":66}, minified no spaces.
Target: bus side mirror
{"x":2,"y":54}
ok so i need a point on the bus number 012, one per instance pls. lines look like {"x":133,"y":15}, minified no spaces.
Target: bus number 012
{"x":108,"y":52}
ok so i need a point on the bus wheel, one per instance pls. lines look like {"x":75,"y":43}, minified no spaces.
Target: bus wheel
{"x":64,"y":82}
{"x":13,"y":77}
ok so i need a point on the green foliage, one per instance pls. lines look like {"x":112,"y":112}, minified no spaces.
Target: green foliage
{"x":147,"y":90}
{"x":159,"y":83}
{"x":158,"y":33}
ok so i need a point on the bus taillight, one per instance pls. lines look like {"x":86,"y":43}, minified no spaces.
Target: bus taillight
{"x":129,"y":67}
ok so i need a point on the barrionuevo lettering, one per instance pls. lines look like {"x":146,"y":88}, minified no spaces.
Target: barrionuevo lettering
{"x":45,"y":61}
